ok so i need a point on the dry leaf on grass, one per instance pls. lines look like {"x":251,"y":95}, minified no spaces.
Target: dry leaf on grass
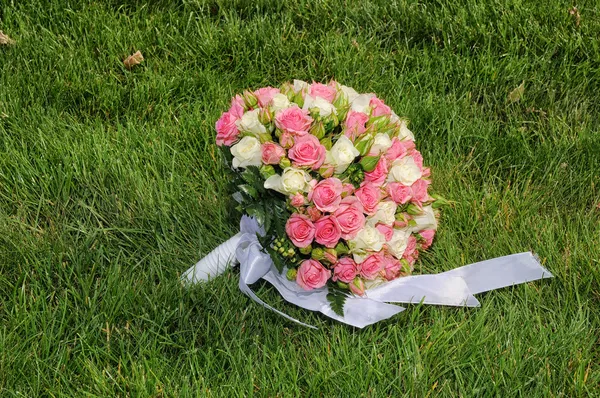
{"x":133,"y":60}
{"x":575,"y":13}
{"x":5,"y":40}
{"x":517,"y":93}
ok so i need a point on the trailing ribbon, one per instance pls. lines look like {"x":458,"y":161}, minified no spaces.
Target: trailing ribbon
{"x":455,"y":287}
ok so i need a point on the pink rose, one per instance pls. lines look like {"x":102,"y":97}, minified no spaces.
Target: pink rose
{"x":350,"y":217}
{"x":427,"y":235}
{"x":300,"y":230}
{"x":391,"y":267}
{"x":370,"y":268}
{"x":379,"y":108}
{"x":327,"y":194}
{"x":419,"y":191}
{"x":426,"y":171}
{"x":293,"y":120}
{"x":354,"y":126}
{"x":321,"y":90}
{"x":312,"y":275}
{"x":386,"y":230}
{"x":227,"y":131}
{"x":369,"y":196}
{"x":307,"y":151}
{"x":237,"y":106}
{"x":265,"y":95}
{"x":396,"y":151}
{"x":348,"y":189}
{"x":297,"y":200}
{"x":399,"y":192}
{"x":272,"y":153}
{"x":418,"y":159}
{"x":379,"y":173}
{"x":313,"y":213}
{"x":345,"y":270}
{"x":411,"y":253}
{"x":328,"y":231}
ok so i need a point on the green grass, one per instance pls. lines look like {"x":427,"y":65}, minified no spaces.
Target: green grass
{"x":111,"y":186}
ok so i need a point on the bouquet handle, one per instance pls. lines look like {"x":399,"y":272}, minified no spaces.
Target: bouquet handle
{"x":215,"y":263}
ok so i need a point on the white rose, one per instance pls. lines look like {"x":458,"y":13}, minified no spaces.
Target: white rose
{"x":426,"y":220}
{"x":325,"y":107}
{"x":381,"y":143}
{"x":405,"y":170}
{"x":394,"y":118}
{"x":291,"y":181}
{"x":361,"y":103}
{"x":342,"y":153}
{"x":247,"y":152}
{"x":385,"y":213}
{"x":279,"y":102}
{"x":350,"y":93}
{"x":300,"y":85}
{"x":404,"y":134}
{"x":397,"y":245}
{"x":368,"y":238}
{"x":250,"y":123}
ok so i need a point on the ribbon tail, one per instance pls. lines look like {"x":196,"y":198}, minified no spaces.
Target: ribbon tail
{"x":214,"y":263}
{"x":437,"y":289}
{"x":247,"y":291}
{"x":500,"y":272}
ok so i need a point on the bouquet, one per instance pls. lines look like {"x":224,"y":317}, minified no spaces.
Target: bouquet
{"x":335,"y":178}
{"x":341,"y":203}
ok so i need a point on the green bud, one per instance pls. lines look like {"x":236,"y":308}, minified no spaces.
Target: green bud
{"x":331,"y":122}
{"x":298,"y":99}
{"x":281,"y":250}
{"x":317,"y":253}
{"x":326,"y":142}
{"x":284,"y":162}
{"x":342,"y":285}
{"x":291,"y":274}
{"x":264,"y":137}
{"x":250,"y":99}
{"x":306,"y":250}
{"x":267,"y":171}
{"x":412,"y":223}
{"x":340,"y":101}
{"x":288,"y":90}
{"x":318,"y":130}
{"x":378,"y":122}
{"x":413,"y":210}
{"x":265,"y":116}
{"x":341,"y":249}
{"x":369,"y":163}
{"x":364,"y":143}
{"x":326,"y":171}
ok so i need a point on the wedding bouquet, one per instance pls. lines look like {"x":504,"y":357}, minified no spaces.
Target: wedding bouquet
{"x":339,"y":203}
{"x":355,"y":208}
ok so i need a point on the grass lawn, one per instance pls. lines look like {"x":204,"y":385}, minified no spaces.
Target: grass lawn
{"x":111,"y":186}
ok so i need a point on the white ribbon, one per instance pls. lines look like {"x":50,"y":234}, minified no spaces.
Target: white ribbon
{"x":455,"y":287}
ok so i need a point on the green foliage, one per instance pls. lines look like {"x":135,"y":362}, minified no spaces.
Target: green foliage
{"x":337,"y":298}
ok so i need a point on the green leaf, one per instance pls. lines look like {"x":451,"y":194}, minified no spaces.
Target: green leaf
{"x":337,"y":300}
{"x":248,"y":190}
